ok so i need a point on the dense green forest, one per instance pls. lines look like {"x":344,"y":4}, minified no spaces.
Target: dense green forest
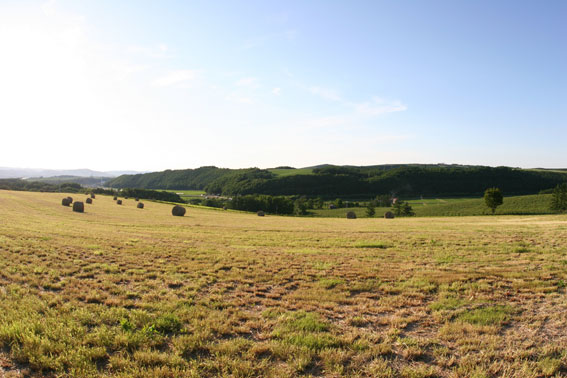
{"x":332,"y":181}
{"x":171,"y":179}
{"x":35,"y":186}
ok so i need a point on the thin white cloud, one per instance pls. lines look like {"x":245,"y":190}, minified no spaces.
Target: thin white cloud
{"x":48,"y":7}
{"x":233,"y":97}
{"x":160,"y":51}
{"x":379,"y":106}
{"x":327,"y":123}
{"x":326,"y":93}
{"x":263,"y":39}
{"x":250,"y":82}
{"x":277,"y":91}
{"x":175,"y":77}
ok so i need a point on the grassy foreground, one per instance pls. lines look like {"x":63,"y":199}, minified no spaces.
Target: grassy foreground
{"x":124,"y":292}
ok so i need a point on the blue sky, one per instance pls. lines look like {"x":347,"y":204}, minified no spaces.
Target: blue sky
{"x":150,"y":85}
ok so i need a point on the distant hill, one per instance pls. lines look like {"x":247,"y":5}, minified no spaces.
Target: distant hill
{"x":8,"y":172}
{"x":92,"y":182}
{"x":354,"y":181}
{"x":172,"y":179}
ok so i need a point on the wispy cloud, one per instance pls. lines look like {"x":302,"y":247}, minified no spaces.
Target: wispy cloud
{"x":374,"y":107}
{"x":263,"y":39}
{"x":160,"y":51}
{"x":175,"y":77}
{"x":48,"y":7}
{"x":379,"y":106}
{"x":250,"y":82}
{"x":326,"y":93}
{"x":234,"y":97}
{"x":276,"y":91}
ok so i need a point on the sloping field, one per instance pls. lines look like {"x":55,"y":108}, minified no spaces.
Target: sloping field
{"x":125,"y":292}
{"x":536,"y":204}
{"x":290,"y":172}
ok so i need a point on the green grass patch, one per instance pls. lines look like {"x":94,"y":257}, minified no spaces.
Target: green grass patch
{"x":330,"y":283}
{"x":371,"y":244}
{"x":313,"y":341}
{"x":306,"y":322}
{"x":492,"y":315}
{"x":446,"y":303}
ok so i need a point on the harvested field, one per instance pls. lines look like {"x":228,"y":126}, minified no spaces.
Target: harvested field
{"x":121,"y":292}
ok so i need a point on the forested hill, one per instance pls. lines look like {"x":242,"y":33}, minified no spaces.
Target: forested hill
{"x":329,"y":180}
{"x":171,"y":179}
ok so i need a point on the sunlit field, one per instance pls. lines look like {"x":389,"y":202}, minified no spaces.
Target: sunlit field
{"x":119,"y":291}
{"x":535,"y":204}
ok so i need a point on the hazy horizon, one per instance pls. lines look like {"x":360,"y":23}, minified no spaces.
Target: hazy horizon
{"x":148,"y":86}
{"x":134,"y":171}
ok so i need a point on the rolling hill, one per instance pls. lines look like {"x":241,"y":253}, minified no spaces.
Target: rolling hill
{"x":350,"y":181}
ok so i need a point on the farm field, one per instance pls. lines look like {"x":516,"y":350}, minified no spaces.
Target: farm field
{"x":124,"y":292}
{"x":185,"y":194}
{"x":516,"y":205}
{"x":290,"y":172}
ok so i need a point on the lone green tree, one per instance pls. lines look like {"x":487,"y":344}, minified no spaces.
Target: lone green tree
{"x":493,"y":198}
{"x":559,"y":198}
{"x":370,"y":209}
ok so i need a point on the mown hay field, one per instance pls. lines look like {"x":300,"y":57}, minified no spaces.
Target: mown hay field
{"x":118,"y":291}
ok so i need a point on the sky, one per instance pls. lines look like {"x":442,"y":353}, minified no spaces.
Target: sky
{"x":154,"y":85}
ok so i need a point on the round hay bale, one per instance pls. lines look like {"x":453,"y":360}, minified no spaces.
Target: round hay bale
{"x":92,"y":195}
{"x":136,"y":199}
{"x":125,"y":197}
{"x":332,"y":207}
{"x":65,"y":201}
{"x":119,"y":202}
{"x":351,"y":215}
{"x":140,"y":205}
{"x":115,"y":198}
{"x":260,"y":213}
{"x":89,"y":200}
{"x":78,"y":207}
{"x":70,"y":199}
{"x":178,"y":211}
{"x":389,"y":215}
